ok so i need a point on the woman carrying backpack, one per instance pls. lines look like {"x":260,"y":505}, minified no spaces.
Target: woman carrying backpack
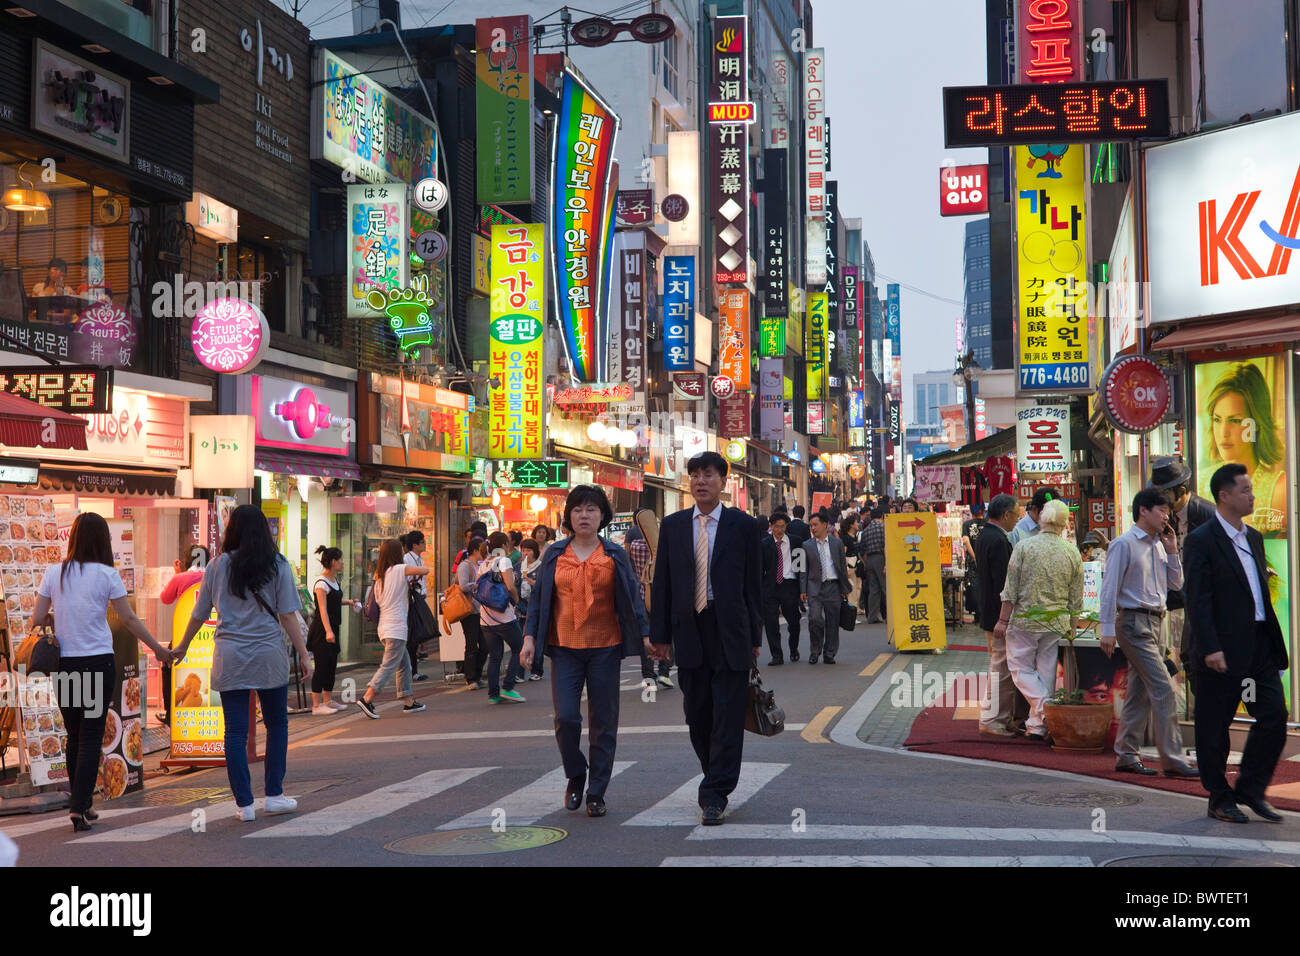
{"x":497,"y":596}
{"x":392,"y":595}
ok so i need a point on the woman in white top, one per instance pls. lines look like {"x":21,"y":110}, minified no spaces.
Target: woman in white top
{"x":80,"y":590}
{"x":392,"y":594}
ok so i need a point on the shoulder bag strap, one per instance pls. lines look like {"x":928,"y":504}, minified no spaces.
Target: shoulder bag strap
{"x":266,"y":607}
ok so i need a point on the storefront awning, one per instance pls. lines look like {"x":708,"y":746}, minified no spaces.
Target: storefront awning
{"x":314,"y":466}
{"x":25,"y":424}
{"x":99,"y":480}
{"x":1233,"y":334}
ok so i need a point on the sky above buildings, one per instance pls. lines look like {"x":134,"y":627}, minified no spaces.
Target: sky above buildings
{"x":887,"y":63}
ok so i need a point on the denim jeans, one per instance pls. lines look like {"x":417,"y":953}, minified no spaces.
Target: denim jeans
{"x":275,"y":717}
{"x":497,"y":635}
{"x":597,"y":669}
{"x":395,"y":659}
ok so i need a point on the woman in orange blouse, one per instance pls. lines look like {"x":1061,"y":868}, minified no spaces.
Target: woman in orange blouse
{"x":586,"y":612}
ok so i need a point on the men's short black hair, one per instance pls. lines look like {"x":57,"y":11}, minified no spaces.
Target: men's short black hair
{"x":779,"y":509}
{"x":1042,"y":496}
{"x":1000,"y":505}
{"x":780,"y":516}
{"x":1224,"y":478}
{"x":478,"y":529}
{"x":1150,"y":498}
{"x":821,"y":516}
{"x":707,"y":459}
{"x":587,"y":494}
{"x":798,"y":511}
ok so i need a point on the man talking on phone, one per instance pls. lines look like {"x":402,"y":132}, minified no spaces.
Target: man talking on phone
{"x":1142,"y":566}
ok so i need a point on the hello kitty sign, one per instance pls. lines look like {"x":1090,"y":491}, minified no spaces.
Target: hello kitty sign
{"x":230,"y":336}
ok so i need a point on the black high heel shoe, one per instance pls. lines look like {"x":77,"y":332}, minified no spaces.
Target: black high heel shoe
{"x":79,"y":822}
{"x":91,"y":815}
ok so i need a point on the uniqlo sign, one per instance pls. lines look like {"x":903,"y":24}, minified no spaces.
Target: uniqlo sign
{"x":963,"y":190}
{"x":729,"y":152}
{"x":1051,"y":41}
{"x":1042,"y":439}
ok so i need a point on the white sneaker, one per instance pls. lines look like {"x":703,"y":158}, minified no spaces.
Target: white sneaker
{"x":323,"y":711}
{"x":335,"y":705}
{"x":281,"y":804}
{"x":246,"y":814}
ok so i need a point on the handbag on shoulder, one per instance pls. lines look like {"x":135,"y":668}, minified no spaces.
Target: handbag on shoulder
{"x":762,"y":715}
{"x":420,"y":625}
{"x":45,"y":653}
{"x":456,"y":606}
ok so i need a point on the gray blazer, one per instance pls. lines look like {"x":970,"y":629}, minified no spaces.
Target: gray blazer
{"x":813,"y":564}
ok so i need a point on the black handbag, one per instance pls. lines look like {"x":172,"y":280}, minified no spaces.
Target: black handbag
{"x":762,"y":715}
{"x":848,"y":615}
{"x":45,"y":655}
{"x":420,"y":625}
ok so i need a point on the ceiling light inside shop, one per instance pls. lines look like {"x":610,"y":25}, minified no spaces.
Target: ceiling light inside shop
{"x":496,"y":499}
{"x":613,"y":436}
{"x":596,"y":431}
{"x":26,"y":200}
{"x":94,"y":48}
{"x":538,"y":503}
{"x":628,"y":439}
{"x":411,"y":501}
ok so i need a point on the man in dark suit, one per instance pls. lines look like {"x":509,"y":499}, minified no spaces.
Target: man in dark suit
{"x":798,"y":529}
{"x":780,"y":589}
{"x":1236,"y":648}
{"x":823,"y":584}
{"x":992,"y":554}
{"x":706,"y":602}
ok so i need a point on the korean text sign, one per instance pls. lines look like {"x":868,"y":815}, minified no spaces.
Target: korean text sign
{"x":729,"y":152}
{"x":504,"y":109}
{"x":1052,"y":301}
{"x":584,"y":184}
{"x":814,"y":87}
{"x":632,"y":308}
{"x":914,"y":588}
{"x":517,"y":316}
{"x":1042,"y":439}
{"x":679,"y":313}
{"x":1050,"y":45}
{"x":378,"y":231}
{"x":816,"y":368}
{"x":733,"y":337}
{"x":894,"y":329}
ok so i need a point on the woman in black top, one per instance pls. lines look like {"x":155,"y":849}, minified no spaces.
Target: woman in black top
{"x":323,"y":635}
{"x":849,"y":535}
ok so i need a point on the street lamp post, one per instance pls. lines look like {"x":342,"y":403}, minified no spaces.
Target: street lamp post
{"x":966,"y":372}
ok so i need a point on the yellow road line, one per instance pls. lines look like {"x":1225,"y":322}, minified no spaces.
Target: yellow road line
{"x":813,"y":731}
{"x":871,"y":669}
{"x":328,"y":733}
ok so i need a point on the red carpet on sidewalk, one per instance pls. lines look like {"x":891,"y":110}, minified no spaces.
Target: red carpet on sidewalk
{"x":936,"y":732}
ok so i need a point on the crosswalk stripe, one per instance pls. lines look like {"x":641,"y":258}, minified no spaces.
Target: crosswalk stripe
{"x":681,"y":808}
{"x":56,"y":820}
{"x":496,"y":735}
{"x":166,"y":826}
{"x":937,"y":861}
{"x":526,"y":805}
{"x":370,"y":806}
{"x":785,"y":831}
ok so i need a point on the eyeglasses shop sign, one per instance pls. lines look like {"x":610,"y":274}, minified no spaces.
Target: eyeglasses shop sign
{"x":1042,"y":439}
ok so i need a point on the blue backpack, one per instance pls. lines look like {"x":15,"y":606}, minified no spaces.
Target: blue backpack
{"x":491,"y":591}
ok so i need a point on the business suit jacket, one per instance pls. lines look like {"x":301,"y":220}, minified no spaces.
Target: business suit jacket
{"x":992,"y":555}
{"x":797,"y":531}
{"x":737,"y":589}
{"x":1220,"y":607}
{"x":813,"y":564}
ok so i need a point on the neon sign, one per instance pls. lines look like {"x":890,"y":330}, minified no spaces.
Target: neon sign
{"x":1055,"y":113}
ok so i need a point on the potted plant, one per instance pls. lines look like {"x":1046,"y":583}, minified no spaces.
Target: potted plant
{"x":1076,"y":726}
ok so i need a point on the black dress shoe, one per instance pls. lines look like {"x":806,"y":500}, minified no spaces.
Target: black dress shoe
{"x":573,"y":793}
{"x":812,"y":658}
{"x":794,"y":657}
{"x":828,"y":660}
{"x":713,"y":815}
{"x":1263,"y":809}
{"x":775,"y":662}
{"x":1137,"y":768}
{"x":1227,"y":815}
{"x":595,"y":806}
{"x":1183,"y":773}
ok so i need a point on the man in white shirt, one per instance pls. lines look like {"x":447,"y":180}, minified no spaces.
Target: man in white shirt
{"x":823,"y":585}
{"x":780,"y":588}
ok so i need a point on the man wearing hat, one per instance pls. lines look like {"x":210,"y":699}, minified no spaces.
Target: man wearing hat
{"x":1188,"y":512}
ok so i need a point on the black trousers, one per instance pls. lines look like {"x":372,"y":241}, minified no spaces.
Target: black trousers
{"x":714,"y":700}
{"x":1217,"y":697}
{"x":85,"y":713}
{"x":476,"y":649}
{"x":597,"y":669}
{"x":785,"y":600}
{"x":327,"y":662}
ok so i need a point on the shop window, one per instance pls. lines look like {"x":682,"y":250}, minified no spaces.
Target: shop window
{"x":131,"y":18}
{"x":265,"y":265}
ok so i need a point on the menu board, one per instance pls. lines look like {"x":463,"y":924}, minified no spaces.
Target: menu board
{"x":120,"y":766}
{"x":198,"y":727}
{"x":29,"y":543}
{"x":44,"y":735}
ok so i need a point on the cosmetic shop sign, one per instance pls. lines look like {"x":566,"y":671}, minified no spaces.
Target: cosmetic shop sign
{"x":230,"y":336}
{"x":300,"y":417}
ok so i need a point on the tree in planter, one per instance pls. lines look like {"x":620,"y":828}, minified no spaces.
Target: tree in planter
{"x":1068,"y":627}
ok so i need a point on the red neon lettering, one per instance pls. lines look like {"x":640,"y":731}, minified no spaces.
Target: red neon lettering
{"x":1051,"y":57}
{"x":1226,"y":239}
{"x":1049,"y":15}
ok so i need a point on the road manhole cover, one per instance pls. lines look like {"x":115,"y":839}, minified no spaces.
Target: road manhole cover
{"x":478,"y":841}
{"x":1086,"y":798}
{"x":1173,"y":860}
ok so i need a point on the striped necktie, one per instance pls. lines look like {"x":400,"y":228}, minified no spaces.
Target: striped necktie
{"x":702,"y":564}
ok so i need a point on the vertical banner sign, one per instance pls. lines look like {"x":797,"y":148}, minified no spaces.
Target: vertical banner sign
{"x":771,"y":338}
{"x":814,"y":85}
{"x":816,"y":418}
{"x":632,"y":313}
{"x":893,"y":316}
{"x":733,"y":338}
{"x":834,"y":339}
{"x":771,"y":391}
{"x":733,"y":415}
{"x":1051,"y":41}
{"x":857,"y":409}
{"x":851,"y":340}
{"x":877,"y":337}
{"x":1052,"y":294}
{"x":504,"y":109}
{"x":377,"y":221}
{"x":780,"y":73}
{"x":816,"y":349}
{"x":775,"y":213}
{"x":915,"y":590}
{"x":729,"y":153}
{"x":515,"y":332}
{"x":679,"y":313}
{"x":583,"y":184}
{"x":1042,"y":439}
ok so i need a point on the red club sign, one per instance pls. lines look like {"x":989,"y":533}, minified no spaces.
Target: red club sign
{"x":1135,"y":394}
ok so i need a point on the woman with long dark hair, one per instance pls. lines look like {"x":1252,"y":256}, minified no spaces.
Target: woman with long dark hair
{"x":413,"y":545}
{"x":80,"y":591}
{"x":393,"y":596}
{"x":255,"y":593}
{"x":586,"y":612}
{"x":323,"y":633}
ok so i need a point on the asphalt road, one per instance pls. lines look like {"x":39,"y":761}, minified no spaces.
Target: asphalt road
{"x":428,"y":789}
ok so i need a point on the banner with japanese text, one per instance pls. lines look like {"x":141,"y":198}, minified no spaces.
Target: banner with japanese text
{"x":733,"y":337}
{"x":728,"y":154}
{"x":914,"y":587}
{"x":515,"y":332}
{"x":378,"y":226}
